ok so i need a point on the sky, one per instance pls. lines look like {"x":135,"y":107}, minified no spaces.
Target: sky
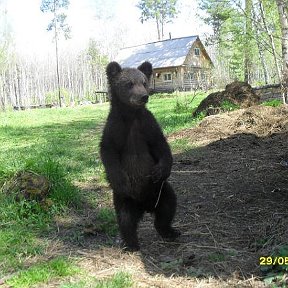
{"x":105,"y":21}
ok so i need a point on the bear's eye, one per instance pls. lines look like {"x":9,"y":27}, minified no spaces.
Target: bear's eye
{"x":129,"y":84}
{"x":145,"y":84}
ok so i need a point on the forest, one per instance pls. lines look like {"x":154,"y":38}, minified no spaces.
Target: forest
{"x":248,"y":43}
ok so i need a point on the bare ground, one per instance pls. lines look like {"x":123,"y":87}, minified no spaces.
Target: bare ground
{"x":232,"y":208}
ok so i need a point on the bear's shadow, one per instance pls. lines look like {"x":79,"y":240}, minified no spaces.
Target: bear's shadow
{"x":232,"y":209}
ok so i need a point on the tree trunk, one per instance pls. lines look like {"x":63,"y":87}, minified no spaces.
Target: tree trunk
{"x":282,"y":10}
{"x":248,"y":33}
{"x":260,"y":47}
{"x":57,"y":55}
{"x":158,"y":28}
{"x":271,"y":38}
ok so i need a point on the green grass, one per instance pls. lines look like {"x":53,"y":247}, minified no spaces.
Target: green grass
{"x":226,"y":106}
{"x":62,"y":144}
{"x":174,"y":113}
{"x":119,"y":280}
{"x":43,"y":272}
{"x":107,"y":218}
{"x":273,"y":103}
{"x":181,"y":145}
{"x":68,"y":136}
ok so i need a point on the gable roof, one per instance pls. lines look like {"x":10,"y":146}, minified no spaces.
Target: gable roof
{"x":166,"y":53}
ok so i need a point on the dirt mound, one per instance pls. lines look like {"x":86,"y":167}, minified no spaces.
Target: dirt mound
{"x":258,"y":120}
{"x":239,"y":94}
{"x":28,"y":185}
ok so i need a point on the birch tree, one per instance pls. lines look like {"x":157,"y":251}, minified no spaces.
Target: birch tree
{"x":271,"y":38}
{"x":248,"y":36}
{"x":57,"y":25}
{"x":283,"y":17}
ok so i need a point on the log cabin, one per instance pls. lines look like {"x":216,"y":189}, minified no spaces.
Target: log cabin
{"x":178,"y":64}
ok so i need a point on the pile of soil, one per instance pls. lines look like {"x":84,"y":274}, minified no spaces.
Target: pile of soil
{"x":237,"y":93}
{"x":259,"y":120}
{"x":27,"y":185}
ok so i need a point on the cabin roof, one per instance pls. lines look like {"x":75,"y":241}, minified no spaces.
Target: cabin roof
{"x":166,"y":53}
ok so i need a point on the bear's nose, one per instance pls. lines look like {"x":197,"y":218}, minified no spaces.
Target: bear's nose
{"x":144,"y":98}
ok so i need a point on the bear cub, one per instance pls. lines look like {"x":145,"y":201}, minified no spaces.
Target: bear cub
{"x":136,"y":156}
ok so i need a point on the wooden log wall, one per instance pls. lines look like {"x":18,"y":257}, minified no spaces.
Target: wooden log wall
{"x":269,"y":92}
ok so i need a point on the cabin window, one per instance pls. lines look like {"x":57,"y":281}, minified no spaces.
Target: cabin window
{"x":190,"y":75}
{"x":197,"y":51}
{"x":203,"y":76}
{"x":167,"y":77}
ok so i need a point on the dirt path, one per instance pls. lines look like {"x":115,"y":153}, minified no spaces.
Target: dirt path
{"x":232,"y":208}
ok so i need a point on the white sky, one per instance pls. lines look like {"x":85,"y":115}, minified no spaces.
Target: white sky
{"x":121,"y":22}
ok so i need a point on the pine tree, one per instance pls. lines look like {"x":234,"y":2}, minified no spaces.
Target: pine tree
{"x":162,"y":11}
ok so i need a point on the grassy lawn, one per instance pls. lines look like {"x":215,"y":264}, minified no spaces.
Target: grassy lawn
{"x":61,"y":144}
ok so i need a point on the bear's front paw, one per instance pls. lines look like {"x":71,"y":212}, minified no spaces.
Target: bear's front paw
{"x":157,"y":174}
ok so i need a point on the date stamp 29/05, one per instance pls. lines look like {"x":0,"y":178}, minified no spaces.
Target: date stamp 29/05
{"x":277,"y":260}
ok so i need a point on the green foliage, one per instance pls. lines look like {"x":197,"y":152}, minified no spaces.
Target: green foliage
{"x":22,"y":220}
{"x":16,"y":242}
{"x":51,"y":97}
{"x":173,"y":116}
{"x":238,"y":37}
{"x":58,"y":144}
{"x":163,"y":11}
{"x":159,"y":9}
{"x":226,"y":106}
{"x":58,"y":21}
{"x":52,"y":5}
{"x":63,"y":192}
{"x":43,"y":272}
{"x":217,"y":13}
{"x":107,"y":220}
{"x":273,"y":103}
{"x":180,"y":145}
{"x":119,"y":280}
{"x":217,"y":257}
{"x":182,"y":106}
{"x":96,"y":57}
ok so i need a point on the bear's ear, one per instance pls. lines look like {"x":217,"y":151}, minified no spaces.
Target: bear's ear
{"x":112,"y":70}
{"x":146,"y":68}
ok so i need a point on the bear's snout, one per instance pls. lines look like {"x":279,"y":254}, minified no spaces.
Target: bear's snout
{"x":144,"y":98}
{"x":139,"y":100}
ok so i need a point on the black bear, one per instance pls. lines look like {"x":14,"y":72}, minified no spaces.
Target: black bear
{"x":136,"y":156}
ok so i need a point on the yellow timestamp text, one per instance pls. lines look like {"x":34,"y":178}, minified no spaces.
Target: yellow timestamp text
{"x":277,"y":260}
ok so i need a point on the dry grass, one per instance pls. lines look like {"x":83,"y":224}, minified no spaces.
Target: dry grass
{"x":258,"y":120}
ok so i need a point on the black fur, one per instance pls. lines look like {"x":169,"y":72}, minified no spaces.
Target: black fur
{"x":136,"y":155}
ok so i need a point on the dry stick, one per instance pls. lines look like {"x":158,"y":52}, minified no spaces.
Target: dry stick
{"x":159,"y":195}
{"x":215,"y":242}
